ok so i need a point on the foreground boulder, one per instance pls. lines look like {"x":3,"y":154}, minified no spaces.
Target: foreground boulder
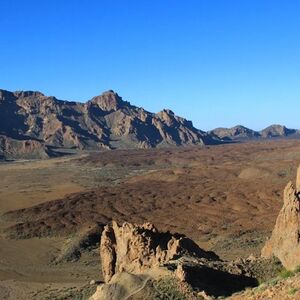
{"x":285,"y":240}
{"x":139,"y":262}
{"x":134,"y":248}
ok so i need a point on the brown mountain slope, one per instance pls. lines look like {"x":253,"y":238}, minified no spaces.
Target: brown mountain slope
{"x":241,"y":133}
{"x":236,"y":132}
{"x":277,"y":131}
{"x":104,"y":122}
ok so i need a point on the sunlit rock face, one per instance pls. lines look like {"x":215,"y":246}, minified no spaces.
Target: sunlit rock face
{"x":134,"y":248}
{"x":285,"y":240}
{"x":104,"y":122}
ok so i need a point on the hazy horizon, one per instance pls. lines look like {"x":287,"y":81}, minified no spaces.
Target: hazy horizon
{"x":216,"y":63}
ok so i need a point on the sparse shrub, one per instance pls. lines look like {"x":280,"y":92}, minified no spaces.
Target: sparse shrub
{"x":297,"y":269}
{"x":261,"y":287}
{"x":292,"y":291}
{"x":282,"y":173}
{"x":273,"y":281}
{"x":286,"y":273}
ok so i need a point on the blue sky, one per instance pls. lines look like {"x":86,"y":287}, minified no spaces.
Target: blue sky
{"x":217,"y":63}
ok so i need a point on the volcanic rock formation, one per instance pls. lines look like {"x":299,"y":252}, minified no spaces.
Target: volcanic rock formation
{"x":104,"y":122}
{"x":135,"y":248}
{"x":285,"y":240}
{"x":132,"y":255}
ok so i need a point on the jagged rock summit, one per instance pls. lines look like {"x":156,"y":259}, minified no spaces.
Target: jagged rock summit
{"x":135,"y":258}
{"x":104,"y":122}
{"x":285,"y":240}
{"x":134,"y":248}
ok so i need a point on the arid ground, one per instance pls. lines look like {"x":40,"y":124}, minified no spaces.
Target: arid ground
{"x":226,"y":198}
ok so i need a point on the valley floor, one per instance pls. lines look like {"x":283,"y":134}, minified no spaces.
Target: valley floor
{"x":224,"y":197}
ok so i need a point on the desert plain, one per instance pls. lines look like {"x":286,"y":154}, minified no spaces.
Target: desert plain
{"x":224,"y":197}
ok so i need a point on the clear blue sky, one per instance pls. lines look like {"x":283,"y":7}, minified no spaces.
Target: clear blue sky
{"x":217,"y":63}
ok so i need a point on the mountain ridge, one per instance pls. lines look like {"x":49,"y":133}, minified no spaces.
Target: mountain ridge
{"x":240,"y":132}
{"x":33,"y":125}
{"x":103,"y":122}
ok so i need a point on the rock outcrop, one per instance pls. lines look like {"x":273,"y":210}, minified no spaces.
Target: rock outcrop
{"x":134,"y":248}
{"x":134,"y":255}
{"x":27,"y":148}
{"x":285,"y":240}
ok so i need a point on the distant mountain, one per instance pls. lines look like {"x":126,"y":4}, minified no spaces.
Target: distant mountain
{"x":277,"y":131}
{"x":239,"y":133}
{"x":32,"y":124}
{"x":236,"y":132}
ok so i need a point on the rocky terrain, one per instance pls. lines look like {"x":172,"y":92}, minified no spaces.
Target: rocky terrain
{"x":225,"y":198}
{"x":32,"y":124}
{"x":131,"y":249}
{"x":143,"y":253}
{"x":283,"y":244}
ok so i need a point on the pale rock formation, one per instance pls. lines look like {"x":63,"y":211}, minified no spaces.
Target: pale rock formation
{"x":285,"y":240}
{"x":180,"y":273}
{"x":134,"y":248}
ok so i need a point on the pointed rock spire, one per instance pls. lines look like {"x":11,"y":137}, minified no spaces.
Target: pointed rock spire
{"x":285,"y":240}
{"x":134,"y":248}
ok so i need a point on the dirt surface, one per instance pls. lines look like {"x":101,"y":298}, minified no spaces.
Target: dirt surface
{"x":224,"y":197}
{"x":276,"y":289}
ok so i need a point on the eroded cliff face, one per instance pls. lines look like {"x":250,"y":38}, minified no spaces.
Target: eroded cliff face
{"x":285,"y":240}
{"x":134,"y":248}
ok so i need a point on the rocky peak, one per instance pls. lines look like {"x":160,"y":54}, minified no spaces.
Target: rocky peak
{"x":285,"y":240}
{"x":276,"y":131}
{"x":134,"y":248}
{"x":240,"y":129}
{"x":25,"y":94}
{"x":106,"y":121}
{"x":237,"y":131}
{"x":6,"y":95}
{"x":133,"y":254}
{"x":166,"y":114}
{"x":109,"y":101}
{"x":169,"y":117}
